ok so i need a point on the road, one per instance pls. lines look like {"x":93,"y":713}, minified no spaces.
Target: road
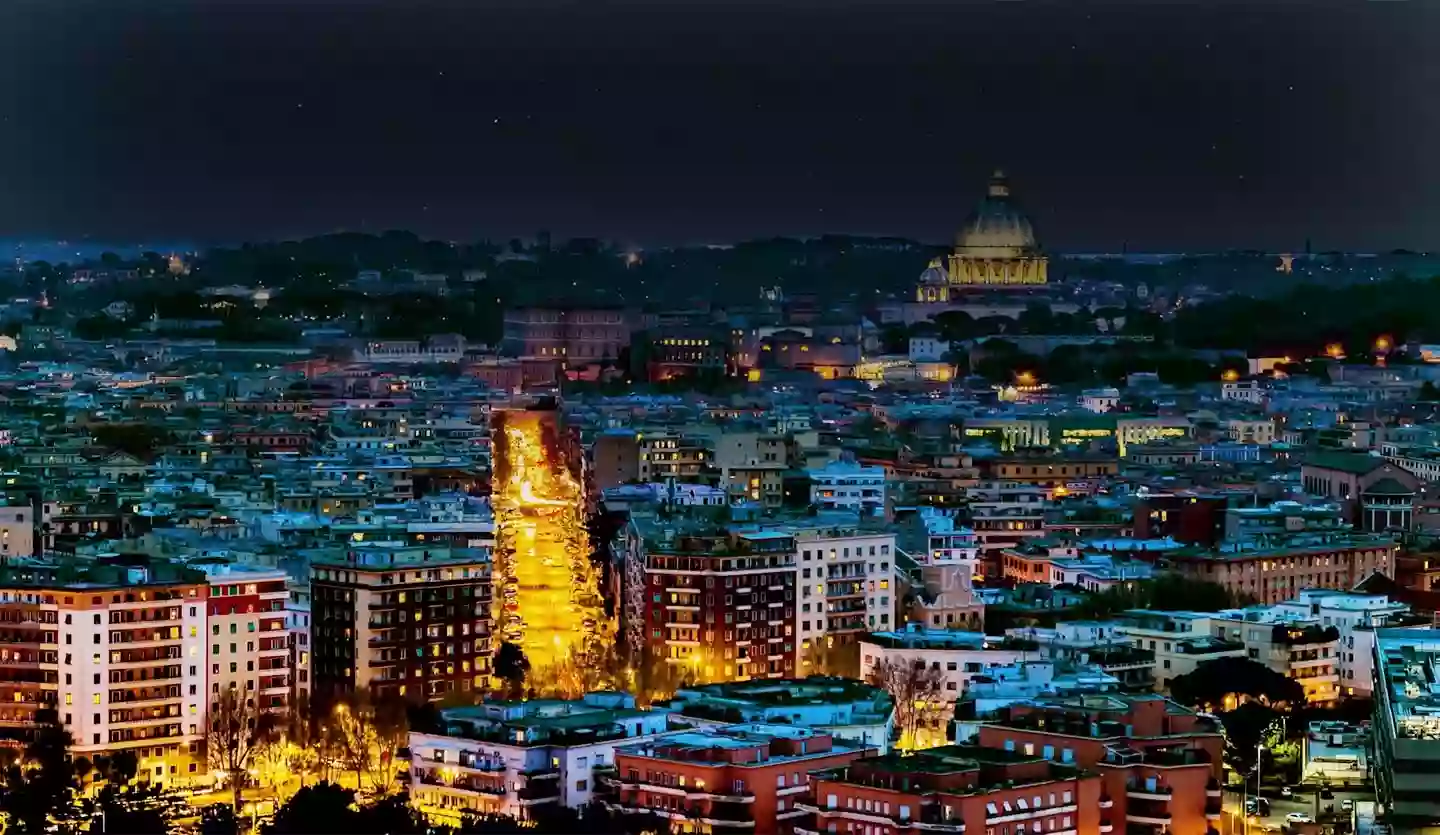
{"x":547,"y":590}
{"x":1304,"y":801}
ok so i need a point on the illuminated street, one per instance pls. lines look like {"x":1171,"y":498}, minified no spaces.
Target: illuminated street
{"x":547,"y":598}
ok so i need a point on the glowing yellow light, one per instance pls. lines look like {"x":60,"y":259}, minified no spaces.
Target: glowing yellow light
{"x":1230,"y":375}
{"x":1383,"y":343}
{"x":1025,"y":378}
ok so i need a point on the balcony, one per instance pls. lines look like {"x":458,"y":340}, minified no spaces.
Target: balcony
{"x":461,"y":783}
{"x":1212,"y":789}
{"x":535,"y":794}
{"x":1159,"y":794}
{"x":719,"y":797}
{"x":931,"y":821}
{"x":1106,"y":802}
{"x":1151,"y":819}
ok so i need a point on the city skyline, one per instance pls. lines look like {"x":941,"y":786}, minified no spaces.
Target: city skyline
{"x":1200,"y":127}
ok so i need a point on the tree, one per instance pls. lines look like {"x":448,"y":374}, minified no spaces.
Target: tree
{"x":1166,"y":592}
{"x":1429,"y":393}
{"x":391,"y":815}
{"x":302,"y":737}
{"x":131,"y":811}
{"x":124,"y":767}
{"x":135,"y":439}
{"x":918,"y":691}
{"x":82,"y":768}
{"x":321,"y":809}
{"x":218,"y":819}
{"x":512,"y":666}
{"x":43,"y":783}
{"x":364,"y":733}
{"x":237,"y":730}
{"x":1227,"y":682}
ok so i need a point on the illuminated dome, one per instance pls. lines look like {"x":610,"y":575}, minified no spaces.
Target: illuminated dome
{"x":997,"y":228}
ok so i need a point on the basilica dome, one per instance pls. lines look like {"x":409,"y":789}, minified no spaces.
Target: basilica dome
{"x":997,"y":228}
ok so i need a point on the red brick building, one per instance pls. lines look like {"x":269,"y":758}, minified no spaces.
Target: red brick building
{"x":722,"y":607}
{"x":1195,"y":520}
{"x":957,"y":788}
{"x":741,"y":778}
{"x":1159,"y":763}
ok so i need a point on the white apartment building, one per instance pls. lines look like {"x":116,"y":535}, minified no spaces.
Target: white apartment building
{"x":957,"y":656}
{"x":249,"y":642}
{"x":846,"y":582}
{"x":117,"y":651}
{"x":1180,"y":641}
{"x":1355,"y":617}
{"x":509,"y":757}
{"x":844,"y":485}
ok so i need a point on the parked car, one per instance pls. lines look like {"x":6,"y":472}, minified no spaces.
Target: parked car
{"x":1298,"y":817}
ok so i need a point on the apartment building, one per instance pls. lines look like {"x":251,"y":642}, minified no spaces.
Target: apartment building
{"x":721,"y":606}
{"x":1274,"y":574}
{"x":956,"y":656}
{"x":752,"y":466}
{"x":841,"y":707}
{"x":510,"y":758}
{"x":846,"y":586}
{"x":17,"y":530}
{"x":297,"y":624}
{"x":955,"y":789}
{"x":249,"y":645}
{"x":1292,"y":645}
{"x":401,"y":620}
{"x":1358,"y":619}
{"x":1406,"y":728}
{"x":1104,"y":644}
{"x":844,"y":485}
{"x":999,"y":525}
{"x":1159,"y":763}
{"x":947,"y":558}
{"x":615,"y":458}
{"x":1179,"y":642}
{"x":117,"y":650}
{"x":673,"y":455}
{"x":748,"y":777}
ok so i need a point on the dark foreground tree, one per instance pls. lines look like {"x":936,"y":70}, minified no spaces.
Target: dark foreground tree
{"x":218,"y":819}
{"x":43,"y":782}
{"x":512,"y":666}
{"x":321,"y":809}
{"x":1225,"y":683}
{"x":132,"y":810}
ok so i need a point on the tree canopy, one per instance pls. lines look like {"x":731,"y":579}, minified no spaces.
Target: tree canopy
{"x":1224,"y":683}
{"x":1166,"y":592}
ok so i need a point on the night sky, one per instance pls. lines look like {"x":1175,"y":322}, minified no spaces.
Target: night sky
{"x":1160,"y":125}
